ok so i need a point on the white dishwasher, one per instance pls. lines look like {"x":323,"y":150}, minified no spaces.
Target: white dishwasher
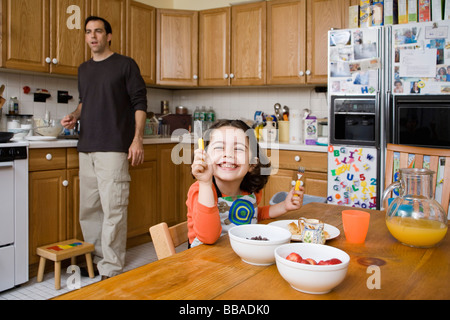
{"x":13,"y":214}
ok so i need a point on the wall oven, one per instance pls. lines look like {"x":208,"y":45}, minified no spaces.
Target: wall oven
{"x":422,"y":121}
{"x":354,"y":121}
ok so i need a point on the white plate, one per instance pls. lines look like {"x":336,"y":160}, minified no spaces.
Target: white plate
{"x":333,"y":232}
{"x":40,"y":138}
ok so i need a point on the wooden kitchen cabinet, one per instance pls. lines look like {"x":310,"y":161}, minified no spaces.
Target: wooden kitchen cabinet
{"x":321,"y":16}
{"x":214,"y":47}
{"x":176,"y":47}
{"x":141,"y":35}
{"x":142,"y":207}
{"x":287,"y":162}
{"x":36,"y":36}
{"x":47,"y":199}
{"x":297,"y":37}
{"x":232,"y":45}
{"x":286,"y":42}
{"x":168,"y":186}
{"x":115,"y":12}
{"x":248,"y":42}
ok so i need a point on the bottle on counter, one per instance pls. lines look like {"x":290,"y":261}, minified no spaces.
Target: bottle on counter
{"x":13,"y":106}
{"x":196,"y":114}
{"x":203,"y":114}
{"x":211,"y":115}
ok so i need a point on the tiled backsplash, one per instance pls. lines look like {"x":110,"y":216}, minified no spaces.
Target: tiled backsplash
{"x":236,"y":103}
{"x":226,"y":102}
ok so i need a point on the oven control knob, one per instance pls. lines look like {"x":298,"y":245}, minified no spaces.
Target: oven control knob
{"x":49,"y":157}
{"x":297,"y":158}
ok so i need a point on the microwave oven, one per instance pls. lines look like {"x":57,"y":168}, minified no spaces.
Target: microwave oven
{"x":422,"y":121}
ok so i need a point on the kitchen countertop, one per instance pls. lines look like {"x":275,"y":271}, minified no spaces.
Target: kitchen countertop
{"x":72,"y":143}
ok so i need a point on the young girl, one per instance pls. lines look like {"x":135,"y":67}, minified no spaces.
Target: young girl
{"x":229,"y":183}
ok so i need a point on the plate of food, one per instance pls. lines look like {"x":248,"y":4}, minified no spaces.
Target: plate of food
{"x":331,"y":232}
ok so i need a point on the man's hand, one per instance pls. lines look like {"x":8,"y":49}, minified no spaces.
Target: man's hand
{"x":136,"y":152}
{"x":69,"y":121}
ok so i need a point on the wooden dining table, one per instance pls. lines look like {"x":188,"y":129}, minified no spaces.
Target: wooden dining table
{"x":380,"y":268}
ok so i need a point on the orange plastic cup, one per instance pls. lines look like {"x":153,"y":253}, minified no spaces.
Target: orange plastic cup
{"x":356,"y":225}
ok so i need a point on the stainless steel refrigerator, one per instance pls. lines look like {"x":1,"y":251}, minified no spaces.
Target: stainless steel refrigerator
{"x":356,"y":105}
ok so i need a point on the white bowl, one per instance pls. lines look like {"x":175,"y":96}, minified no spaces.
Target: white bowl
{"x":307,"y":278}
{"x":257,"y":252}
{"x":53,"y":130}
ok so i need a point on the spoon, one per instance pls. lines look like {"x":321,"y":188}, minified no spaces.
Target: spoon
{"x":277,"y":108}
{"x":285,"y":113}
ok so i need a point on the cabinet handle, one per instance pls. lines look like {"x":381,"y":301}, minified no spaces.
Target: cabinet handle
{"x":48,"y":60}
{"x":231,"y":75}
{"x":49,"y":157}
{"x":308,"y":72}
{"x":225,"y":76}
{"x":195,"y":77}
{"x":65,"y":183}
{"x":297,"y":158}
{"x":301,"y":73}
{"x":55,"y":61}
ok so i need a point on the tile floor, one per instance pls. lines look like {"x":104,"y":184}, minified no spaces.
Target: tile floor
{"x":45,"y":290}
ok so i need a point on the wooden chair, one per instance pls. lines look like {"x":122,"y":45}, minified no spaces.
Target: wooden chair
{"x":166,"y":239}
{"x":419,"y":153}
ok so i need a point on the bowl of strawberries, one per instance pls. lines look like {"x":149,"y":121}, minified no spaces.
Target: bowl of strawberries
{"x":311,"y":268}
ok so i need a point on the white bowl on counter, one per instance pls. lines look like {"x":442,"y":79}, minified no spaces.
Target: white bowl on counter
{"x":53,"y":129}
{"x":257,"y":252}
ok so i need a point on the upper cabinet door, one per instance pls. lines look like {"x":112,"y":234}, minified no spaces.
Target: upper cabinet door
{"x":141,"y":39}
{"x":214,"y":47}
{"x":286,"y":42}
{"x":27,"y":33}
{"x":68,"y":46}
{"x":248,"y":34}
{"x":322,"y":15}
{"x":177,"y":47}
{"x":115,"y":12}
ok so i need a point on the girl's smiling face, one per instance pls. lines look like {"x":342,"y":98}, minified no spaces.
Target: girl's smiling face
{"x":229,"y":151}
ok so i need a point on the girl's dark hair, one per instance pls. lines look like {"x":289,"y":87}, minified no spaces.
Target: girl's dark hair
{"x":253,"y":181}
{"x":108,"y":27}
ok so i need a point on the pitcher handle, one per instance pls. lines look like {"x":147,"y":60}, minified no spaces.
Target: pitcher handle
{"x":391,"y":187}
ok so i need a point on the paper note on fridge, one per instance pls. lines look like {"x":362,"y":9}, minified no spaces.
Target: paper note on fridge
{"x":418,"y":63}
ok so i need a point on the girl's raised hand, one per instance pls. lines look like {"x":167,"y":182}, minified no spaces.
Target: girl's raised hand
{"x":294,"y":199}
{"x":201,"y":168}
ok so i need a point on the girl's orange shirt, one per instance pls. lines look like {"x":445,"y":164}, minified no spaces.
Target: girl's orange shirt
{"x":204,"y":222}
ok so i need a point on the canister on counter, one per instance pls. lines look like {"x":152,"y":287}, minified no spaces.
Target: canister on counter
{"x":295,"y":126}
{"x":165,"y":107}
{"x":283,"y":131}
{"x":311,"y":130}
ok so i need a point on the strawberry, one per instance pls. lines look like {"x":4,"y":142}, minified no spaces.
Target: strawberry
{"x":304,"y":261}
{"x":295,"y":257}
{"x":311,"y":261}
{"x":334,"y":261}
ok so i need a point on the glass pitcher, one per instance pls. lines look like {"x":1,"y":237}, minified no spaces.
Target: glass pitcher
{"x":414,"y":218}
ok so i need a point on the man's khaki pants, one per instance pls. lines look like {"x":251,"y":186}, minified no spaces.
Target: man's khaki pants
{"x":104,"y":191}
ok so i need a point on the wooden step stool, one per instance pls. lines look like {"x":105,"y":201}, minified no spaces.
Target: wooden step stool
{"x":60,"y":251}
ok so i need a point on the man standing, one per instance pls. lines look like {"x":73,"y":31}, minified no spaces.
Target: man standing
{"x":112,"y":112}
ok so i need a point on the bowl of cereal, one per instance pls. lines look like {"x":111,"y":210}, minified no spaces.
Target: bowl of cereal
{"x":255,"y":243}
